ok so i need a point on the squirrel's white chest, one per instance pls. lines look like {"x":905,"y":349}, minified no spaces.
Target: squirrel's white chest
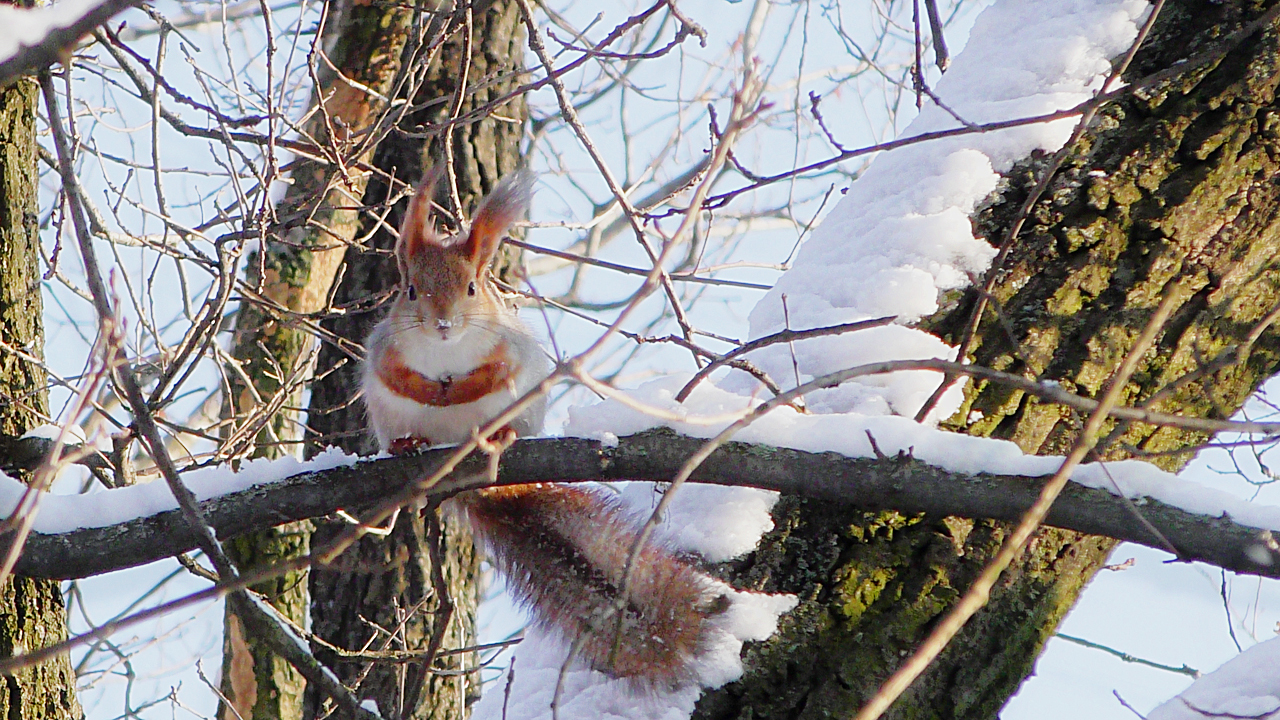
{"x":434,"y":359}
{"x":392,"y":415}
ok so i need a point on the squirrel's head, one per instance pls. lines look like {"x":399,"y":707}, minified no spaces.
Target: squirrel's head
{"x":444,"y":283}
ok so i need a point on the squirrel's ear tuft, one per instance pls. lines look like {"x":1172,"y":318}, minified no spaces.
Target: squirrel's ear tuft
{"x":508,"y":201}
{"x":417,"y":229}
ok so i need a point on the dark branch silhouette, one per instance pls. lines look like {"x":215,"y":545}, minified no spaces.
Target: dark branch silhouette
{"x":899,"y":483}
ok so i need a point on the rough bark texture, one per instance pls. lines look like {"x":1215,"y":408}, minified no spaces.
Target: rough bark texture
{"x":1174,"y":190}
{"x":387,"y":582}
{"x":273,"y":345}
{"x":32,"y":614}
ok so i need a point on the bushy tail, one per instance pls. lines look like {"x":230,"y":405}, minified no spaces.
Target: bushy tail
{"x":563,"y":550}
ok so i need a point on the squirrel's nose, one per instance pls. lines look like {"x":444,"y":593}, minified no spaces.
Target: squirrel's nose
{"x":444,"y":324}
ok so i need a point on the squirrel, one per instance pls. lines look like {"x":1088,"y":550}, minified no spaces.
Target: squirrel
{"x":450,"y":356}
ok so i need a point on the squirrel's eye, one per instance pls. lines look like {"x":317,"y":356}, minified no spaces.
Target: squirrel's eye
{"x":471,"y":288}
{"x":413,"y":293}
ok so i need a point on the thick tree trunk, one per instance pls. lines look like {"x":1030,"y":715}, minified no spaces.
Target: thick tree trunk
{"x":379,"y":595}
{"x":32,"y":614}
{"x":273,"y":346}
{"x":1172,"y":190}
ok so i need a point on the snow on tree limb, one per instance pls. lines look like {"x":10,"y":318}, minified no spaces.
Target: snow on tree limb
{"x":38,"y":37}
{"x":899,"y":483}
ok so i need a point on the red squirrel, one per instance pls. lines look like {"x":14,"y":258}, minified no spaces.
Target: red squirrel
{"x":449,"y":357}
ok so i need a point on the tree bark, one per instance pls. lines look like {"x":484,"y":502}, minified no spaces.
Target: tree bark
{"x":292,"y":278}
{"x":32,"y":614}
{"x":379,"y":595}
{"x":1171,"y":190}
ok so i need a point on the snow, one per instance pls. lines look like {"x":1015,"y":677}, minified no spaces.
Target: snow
{"x":1247,"y":686}
{"x":74,"y":433}
{"x":741,"y":516}
{"x":25,"y":28}
{"x":606,"y":438}
{"x":65,"y":513}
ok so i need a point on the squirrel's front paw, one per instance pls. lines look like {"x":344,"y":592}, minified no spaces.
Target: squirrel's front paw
{"x":408,"y":444}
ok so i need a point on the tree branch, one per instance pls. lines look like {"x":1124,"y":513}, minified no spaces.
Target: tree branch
{"x":59,"y":41}
{"x":896,"y":483}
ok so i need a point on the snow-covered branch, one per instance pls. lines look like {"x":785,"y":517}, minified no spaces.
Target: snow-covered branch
{"x":898,"y":482}
{"x":38,"y":37}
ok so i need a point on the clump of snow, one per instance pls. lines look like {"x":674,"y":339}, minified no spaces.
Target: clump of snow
{"x":74,"y":433}
{"x":65,"y":513}
{"x":741,"y":516}
{"x":592,"y":694}
{"x":1247,"y":686}
{"x":27,"y":27}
